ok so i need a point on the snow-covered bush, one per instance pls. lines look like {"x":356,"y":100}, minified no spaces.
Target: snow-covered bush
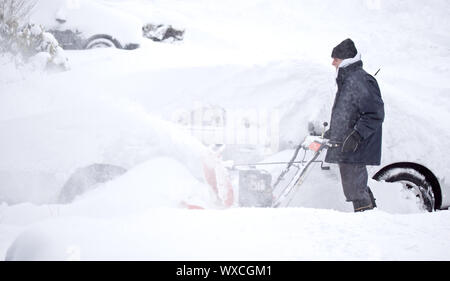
{"x":31,"y":44}
{"x":15,"y":10}
{"x":28,"y":43}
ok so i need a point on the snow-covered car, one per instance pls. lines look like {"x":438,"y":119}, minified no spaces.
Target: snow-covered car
{"x":82,"y":24}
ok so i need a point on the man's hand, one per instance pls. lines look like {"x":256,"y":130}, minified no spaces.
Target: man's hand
{"x":351,"y":142}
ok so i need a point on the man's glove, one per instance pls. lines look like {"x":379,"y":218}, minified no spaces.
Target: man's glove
{"x":351,"y":142}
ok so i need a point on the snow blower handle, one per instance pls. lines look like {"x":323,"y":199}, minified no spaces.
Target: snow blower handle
{"x":328,"y":143}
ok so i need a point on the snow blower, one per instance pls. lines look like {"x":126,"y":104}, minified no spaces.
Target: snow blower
{"x":255,"y":185}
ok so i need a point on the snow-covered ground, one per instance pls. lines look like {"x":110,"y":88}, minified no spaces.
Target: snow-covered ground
{"x":116,"y":107}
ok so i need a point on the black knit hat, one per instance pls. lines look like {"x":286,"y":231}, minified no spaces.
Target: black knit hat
{"x":345,"y":50}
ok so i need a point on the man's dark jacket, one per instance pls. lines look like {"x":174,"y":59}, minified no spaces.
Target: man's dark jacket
{"x":358,"y":106}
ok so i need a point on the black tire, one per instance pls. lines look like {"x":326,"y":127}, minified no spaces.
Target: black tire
{"x":411,"y":180}
{"x":102,"y":41}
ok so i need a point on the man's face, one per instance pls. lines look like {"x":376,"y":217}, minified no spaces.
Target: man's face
{"x":336,"y":62}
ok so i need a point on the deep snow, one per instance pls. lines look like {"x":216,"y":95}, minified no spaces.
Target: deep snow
{"x":238,"y":234}
{"x":115,"y":107}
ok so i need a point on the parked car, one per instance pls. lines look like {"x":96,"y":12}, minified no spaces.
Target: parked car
{"x":87,"y":24}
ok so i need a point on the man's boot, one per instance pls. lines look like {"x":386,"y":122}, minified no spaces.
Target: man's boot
{"x":372,"y":198}
{"x":361,"y":206}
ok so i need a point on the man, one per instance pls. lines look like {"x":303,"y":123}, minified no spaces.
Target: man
{"x":356,"y":125}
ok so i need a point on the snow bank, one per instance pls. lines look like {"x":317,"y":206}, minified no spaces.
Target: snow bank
{"x":238,"y":234}
{"x":158,"y":183}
